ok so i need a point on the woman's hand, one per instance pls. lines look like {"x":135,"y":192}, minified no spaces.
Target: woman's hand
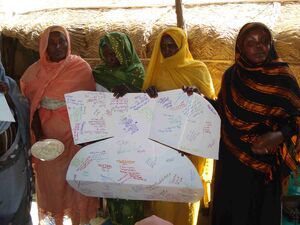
{"x":190,"y":90}
{"x":3,"y":87}
{"x":152,"y":92}
{"x":120,"y":90}
{"x":267,"y":143}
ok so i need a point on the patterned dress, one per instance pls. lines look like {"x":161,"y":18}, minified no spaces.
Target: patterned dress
{"x":130,"y":73}
{"x":254,"y":100}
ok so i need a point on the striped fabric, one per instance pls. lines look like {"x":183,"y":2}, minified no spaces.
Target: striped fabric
{"x":256,"y":100}
{"x":7,"y":138}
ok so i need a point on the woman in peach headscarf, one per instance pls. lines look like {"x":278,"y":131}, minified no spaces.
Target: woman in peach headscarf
{"x":44,"y":84}
{"x":172,"y":66}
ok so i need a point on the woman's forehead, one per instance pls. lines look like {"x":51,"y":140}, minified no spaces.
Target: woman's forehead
{"x":107,"y":49}
{"x":257,"y":30}
{"x":254,"y":29}
{"x":57,"y":34}
{"x":248,"y":34}
{"x":166,"y":38}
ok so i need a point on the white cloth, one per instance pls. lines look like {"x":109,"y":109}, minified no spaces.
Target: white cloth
{"x":153,"y":220}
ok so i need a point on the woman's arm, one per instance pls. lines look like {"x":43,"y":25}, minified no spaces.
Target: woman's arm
{"x":36,"y":126}
{"x":192,"y":89}
{"x":268,"y":142}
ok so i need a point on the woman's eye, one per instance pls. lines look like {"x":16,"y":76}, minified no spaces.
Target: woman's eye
{"x":265,"y":41}
{"x":250,"y":43}
{"x":62,"y":42}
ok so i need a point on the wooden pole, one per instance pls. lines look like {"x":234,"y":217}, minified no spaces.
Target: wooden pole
{"x":180,"y":20}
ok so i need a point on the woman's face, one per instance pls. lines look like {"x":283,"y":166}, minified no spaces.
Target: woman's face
{"x":256,"y":46}
{"x":168,"y":46}
{"x":57,"y":46}
{"x":110,"y":57}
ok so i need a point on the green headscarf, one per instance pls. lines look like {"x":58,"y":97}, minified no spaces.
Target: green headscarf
{"x":130,"y":72}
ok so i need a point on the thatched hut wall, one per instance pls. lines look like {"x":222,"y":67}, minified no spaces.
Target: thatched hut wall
{"x":211,"y":28}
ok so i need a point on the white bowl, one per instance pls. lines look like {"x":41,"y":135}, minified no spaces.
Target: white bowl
{"x":47,"y":149}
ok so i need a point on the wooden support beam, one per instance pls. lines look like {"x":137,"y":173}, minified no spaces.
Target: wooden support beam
{"x":180,"y":20}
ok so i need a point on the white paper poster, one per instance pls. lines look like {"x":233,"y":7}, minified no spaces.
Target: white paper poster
{"x":5,"y":113}
{"x":137,"y":169}
{"x":187,"y":123}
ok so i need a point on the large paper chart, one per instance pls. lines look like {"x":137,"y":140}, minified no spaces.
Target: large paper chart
{"x":187,"y":123}
{"x":5,"y":113}
{"x":98,"y":115}
{"x":134,"y":169}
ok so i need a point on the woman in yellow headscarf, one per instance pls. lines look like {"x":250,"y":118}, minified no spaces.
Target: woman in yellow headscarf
{"x":171,"y":67}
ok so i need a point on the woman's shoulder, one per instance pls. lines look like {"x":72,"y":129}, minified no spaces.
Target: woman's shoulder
{"x":76,"y":63}
{"x":77,"y":59}
{"x":30,"y":71}
{"x":229,"y":71}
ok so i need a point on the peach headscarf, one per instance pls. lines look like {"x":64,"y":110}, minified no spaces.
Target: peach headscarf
{"x":54,"y":79}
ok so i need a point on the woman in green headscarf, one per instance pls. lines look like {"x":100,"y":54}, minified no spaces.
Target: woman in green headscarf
{"x":121,"y":72}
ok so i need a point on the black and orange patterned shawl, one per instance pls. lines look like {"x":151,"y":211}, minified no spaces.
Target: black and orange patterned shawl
{"x":256,"y":99}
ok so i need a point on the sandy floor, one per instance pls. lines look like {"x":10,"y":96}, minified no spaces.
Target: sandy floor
{"x":203,"y":219}
{"x":34,"y":217}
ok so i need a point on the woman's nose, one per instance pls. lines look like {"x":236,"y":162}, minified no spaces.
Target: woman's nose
{"x":167,"y":50}
{"x":57,"y":45}
{"x":258,"y":44}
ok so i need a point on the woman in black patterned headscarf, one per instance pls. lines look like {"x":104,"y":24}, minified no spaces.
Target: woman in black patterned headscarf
{"x":259,"y":105}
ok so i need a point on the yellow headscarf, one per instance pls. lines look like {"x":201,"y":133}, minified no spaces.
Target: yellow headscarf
{"x":177,"y":70}
{"x":172,"y":73}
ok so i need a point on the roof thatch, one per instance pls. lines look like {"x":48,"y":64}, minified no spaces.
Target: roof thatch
{"x":211,"y":28}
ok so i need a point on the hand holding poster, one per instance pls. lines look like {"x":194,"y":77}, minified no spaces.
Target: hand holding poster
{"x":187,"y":123}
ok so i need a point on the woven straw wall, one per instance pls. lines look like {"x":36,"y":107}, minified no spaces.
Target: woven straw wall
{"x":211,"y":30}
